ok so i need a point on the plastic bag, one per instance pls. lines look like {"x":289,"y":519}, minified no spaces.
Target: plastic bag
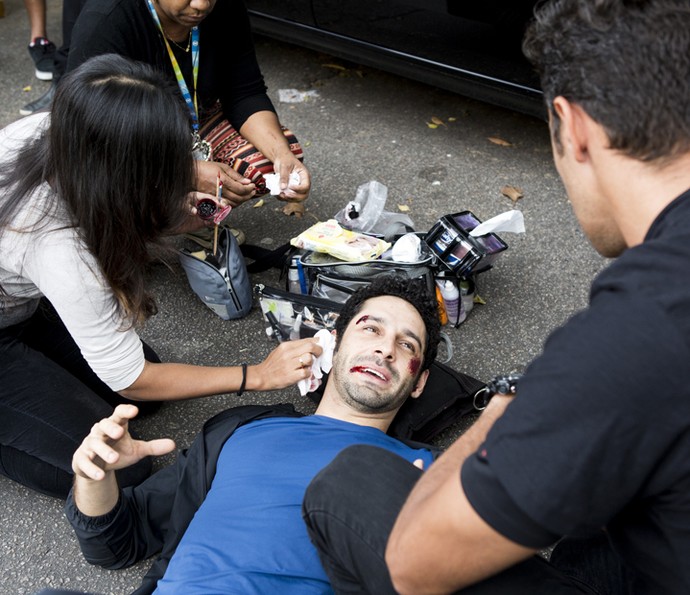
{"x":366,"y":213}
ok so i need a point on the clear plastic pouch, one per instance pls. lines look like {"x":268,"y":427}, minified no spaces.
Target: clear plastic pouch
{"x":336,"y":289}
{"x":292,"y":316}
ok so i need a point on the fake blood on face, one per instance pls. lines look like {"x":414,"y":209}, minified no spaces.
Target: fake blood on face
{"x":413,"y":366}
{"x":367,"y":371}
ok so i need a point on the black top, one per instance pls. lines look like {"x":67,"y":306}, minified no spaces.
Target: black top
{"x":228,"y":70}
{"x":599,"y":433}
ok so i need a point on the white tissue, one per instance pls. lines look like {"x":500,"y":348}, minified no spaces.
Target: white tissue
{"x":321,"y":364}
{"x":512,"y":221}
{"x":295,"y":95}
{"x":407,"y":249}
{"x":273,"y":182}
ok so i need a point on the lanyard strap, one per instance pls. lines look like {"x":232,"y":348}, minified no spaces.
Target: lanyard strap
{"x":191,"y":103}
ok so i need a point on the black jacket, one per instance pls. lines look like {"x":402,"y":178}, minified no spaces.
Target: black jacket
{"x":154,"y":516}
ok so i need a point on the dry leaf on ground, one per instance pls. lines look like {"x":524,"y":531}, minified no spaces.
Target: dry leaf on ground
{"x":403,"y":208}
{"x":438,"y":121}
{"x":334,"y":67}
{"x":258,"y":203}
{"x":512,"y":193}
{"x":432,"y":125}
{"x":499,"y":141}
{"x":294,"y":208}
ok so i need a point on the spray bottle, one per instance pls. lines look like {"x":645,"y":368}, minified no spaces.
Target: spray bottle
{"x":294,"y":285}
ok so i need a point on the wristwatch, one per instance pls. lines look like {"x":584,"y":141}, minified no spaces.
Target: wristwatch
{"x":504,"y":384}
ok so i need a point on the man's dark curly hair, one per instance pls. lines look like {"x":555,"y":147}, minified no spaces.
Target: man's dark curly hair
{"x":413,"y":291}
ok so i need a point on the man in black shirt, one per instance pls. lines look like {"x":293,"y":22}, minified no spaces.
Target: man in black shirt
{"x":598,"y":436}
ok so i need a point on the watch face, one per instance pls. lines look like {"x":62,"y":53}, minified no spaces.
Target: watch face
{"x":505,"y":384}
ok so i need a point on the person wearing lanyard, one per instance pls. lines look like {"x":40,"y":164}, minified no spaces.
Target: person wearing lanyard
{"x":206,"y":47}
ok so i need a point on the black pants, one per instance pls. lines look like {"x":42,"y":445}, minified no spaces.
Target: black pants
{"x":350,"y":508}
{"x":70,"y":12}
{"x":49,"y":400}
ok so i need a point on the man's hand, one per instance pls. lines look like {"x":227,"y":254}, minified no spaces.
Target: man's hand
{"x":236,"y":188}
{"x":109,"y":446}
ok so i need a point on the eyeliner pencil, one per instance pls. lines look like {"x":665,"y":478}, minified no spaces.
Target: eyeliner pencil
{"x":278,"y":332}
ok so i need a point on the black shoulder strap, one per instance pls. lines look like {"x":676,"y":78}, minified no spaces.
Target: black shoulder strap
{"x":448,"y":396}
{"x":264,"y":258}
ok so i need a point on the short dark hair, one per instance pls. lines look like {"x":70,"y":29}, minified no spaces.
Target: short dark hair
{"x":626,"y":62}
{"x":413,"y":291}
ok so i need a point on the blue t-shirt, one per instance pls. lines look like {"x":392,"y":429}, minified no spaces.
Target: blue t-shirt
{"x":248,"y":536}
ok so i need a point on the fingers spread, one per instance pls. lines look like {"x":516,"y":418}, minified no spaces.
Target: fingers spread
{"x":159,"y":447}
{"x":123,"y":413}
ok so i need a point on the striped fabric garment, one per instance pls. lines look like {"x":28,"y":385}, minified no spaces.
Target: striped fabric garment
{"x":230,"y":147}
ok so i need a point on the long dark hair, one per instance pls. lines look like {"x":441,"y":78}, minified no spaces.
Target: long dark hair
{"x":117,"y":153}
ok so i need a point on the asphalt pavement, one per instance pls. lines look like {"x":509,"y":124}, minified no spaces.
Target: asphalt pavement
{"x":363,"y":125}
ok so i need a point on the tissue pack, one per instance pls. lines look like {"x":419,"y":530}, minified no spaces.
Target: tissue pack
{"x":329,"y":237}
{"x":460,"y":252}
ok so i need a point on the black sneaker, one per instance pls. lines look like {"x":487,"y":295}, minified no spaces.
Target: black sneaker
{"x":42,"y":52}
{"x":41,"y":103}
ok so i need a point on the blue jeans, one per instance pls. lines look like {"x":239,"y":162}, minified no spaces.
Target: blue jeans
{"x":49,"y":400}
{"x":350,"y":508}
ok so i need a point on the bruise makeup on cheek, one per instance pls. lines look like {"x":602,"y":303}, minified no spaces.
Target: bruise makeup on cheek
{"x":362,"y":319}
{"x":413,"y":366}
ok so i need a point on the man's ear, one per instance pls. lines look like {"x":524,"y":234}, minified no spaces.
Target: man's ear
{"x":421,"y":381}
{"x":573,"y":127}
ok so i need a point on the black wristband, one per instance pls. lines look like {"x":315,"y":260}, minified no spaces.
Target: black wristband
{"x":244,"y":380}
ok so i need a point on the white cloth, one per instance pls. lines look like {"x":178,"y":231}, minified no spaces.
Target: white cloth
{"x":321,"y":364}
{"x":45,"y":257}
{"x":513,"y":221}
{"x":273,"y":182}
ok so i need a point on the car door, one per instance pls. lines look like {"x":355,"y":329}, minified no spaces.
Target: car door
{"x":479,"y":42}
{"x":290,"y":11}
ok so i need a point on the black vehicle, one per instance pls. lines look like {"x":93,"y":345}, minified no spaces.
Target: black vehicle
{"x":470,"y":48}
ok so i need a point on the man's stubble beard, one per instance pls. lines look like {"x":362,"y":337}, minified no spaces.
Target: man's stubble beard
{"x":366,"y":398}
